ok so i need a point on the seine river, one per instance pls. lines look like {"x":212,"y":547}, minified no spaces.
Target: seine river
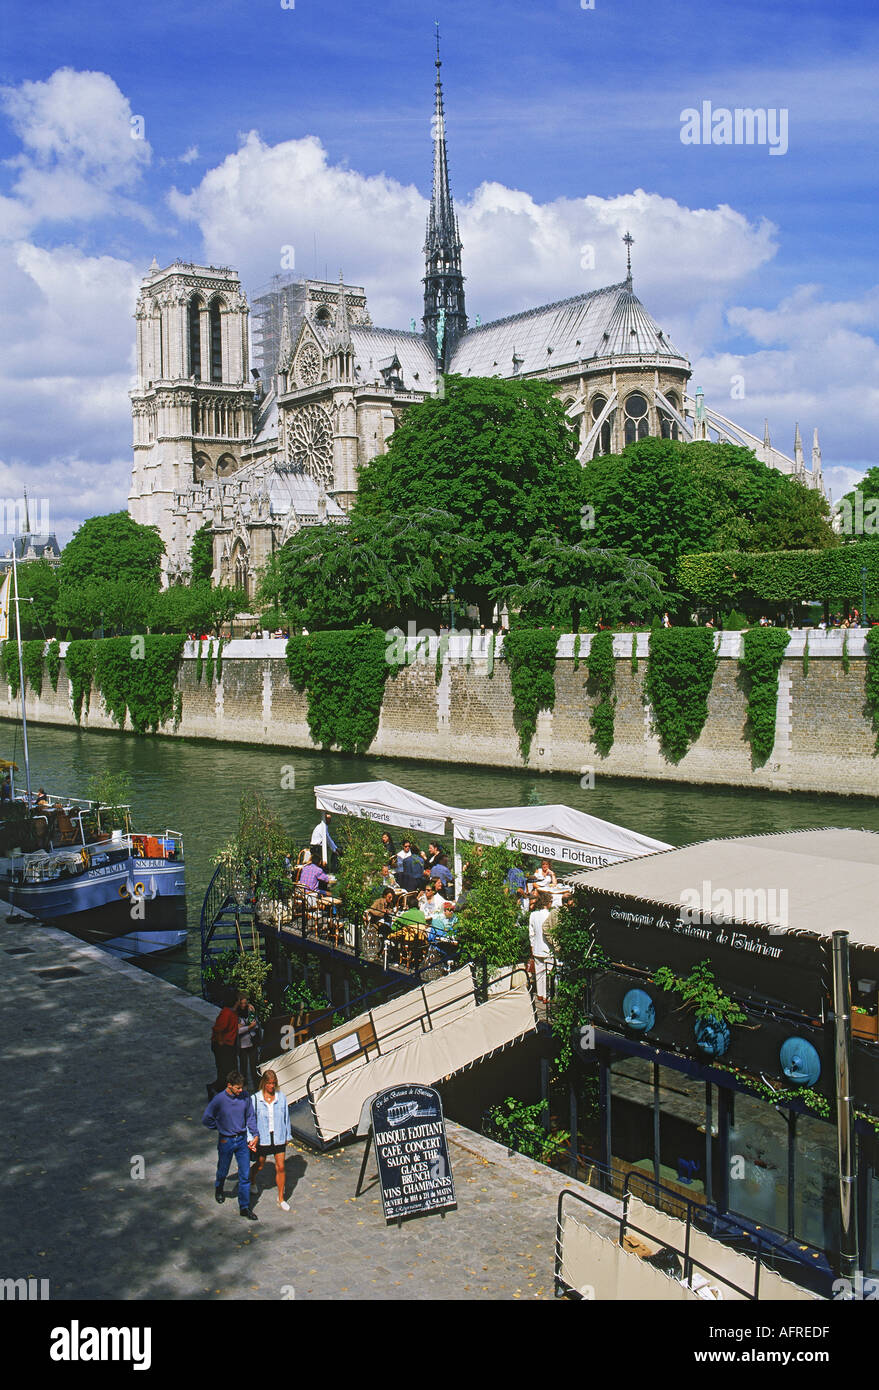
{"x":194,"y":787}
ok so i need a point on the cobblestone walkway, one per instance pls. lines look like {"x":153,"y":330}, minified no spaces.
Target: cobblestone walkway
{"x":105,"y":1073}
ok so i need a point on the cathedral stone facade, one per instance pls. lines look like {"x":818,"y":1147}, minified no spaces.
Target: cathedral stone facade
{"x":258,"y":459}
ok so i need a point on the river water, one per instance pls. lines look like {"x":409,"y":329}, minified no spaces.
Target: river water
{"x":194,"y":786}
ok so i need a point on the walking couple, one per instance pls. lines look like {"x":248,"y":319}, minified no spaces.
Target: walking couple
{"x":255,"y":1125}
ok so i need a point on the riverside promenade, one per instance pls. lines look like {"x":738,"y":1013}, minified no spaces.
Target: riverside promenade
{"x":109,"y":1182}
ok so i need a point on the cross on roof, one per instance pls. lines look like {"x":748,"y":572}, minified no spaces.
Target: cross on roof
{"x":629,"y":242}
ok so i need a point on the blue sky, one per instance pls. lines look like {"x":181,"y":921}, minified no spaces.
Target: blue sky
{"x":310,"y":126}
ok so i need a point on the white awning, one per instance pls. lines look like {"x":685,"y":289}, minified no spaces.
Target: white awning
{"x":555,"y":832}
{"x":385,"y":803}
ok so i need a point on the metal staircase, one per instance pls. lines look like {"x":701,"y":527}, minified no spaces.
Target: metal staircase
{"x":226,"y":922}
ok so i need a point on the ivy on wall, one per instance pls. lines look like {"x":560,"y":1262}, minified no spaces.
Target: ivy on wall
{"x":344,"y":674}
{"x":680,"y":670}
{"x":763,"y":650}
{"x":136,"y":676}
{"x":530,"y":653}
{"x":209,"y":665}
{"x":80,"y":663}
{"x":871,"y":688}
{"x":53,"y":661}
{"x":199,"y":663}
{"x":220,"y":645}
{"x":602,"y":680}
{"x":10,"y":666}
{"x":32,"y":661}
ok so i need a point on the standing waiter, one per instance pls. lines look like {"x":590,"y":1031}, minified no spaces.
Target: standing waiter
{"x":323,"y":844}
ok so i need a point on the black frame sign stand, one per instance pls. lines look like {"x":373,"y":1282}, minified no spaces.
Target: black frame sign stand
{"x":408,"y":1131}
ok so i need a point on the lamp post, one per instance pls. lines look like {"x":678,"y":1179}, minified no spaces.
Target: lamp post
{"x":452,"y":608}
{"x":864,"y":596}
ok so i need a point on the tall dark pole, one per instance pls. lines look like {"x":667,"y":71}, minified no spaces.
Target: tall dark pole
{"x":863,"y":595}
{"x":845,"y":1112}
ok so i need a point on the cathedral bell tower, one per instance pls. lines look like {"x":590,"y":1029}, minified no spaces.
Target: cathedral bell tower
{"x":192,"y":405}
{"x":445,"y":317}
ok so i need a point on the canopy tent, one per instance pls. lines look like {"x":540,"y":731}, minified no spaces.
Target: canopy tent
{"x":548,"y":832}
{"x":554,"y":832}
{"x":385,"y":803}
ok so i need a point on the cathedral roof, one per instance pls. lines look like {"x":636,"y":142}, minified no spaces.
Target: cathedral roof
{"x":610,"y":322}
{"x":375,"y":348}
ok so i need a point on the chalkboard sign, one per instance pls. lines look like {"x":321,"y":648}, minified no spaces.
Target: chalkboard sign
{"x":411,"y":1151}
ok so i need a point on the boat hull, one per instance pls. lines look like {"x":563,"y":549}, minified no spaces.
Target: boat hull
{"x":133,"y":906}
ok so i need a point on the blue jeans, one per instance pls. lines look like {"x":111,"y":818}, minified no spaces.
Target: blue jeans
{"x":227,"y":1145}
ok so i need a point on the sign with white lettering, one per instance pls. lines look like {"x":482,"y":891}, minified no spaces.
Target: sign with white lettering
{"x":411,"y":1151}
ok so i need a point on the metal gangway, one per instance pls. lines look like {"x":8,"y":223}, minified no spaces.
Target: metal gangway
{"x":423,"y":1036}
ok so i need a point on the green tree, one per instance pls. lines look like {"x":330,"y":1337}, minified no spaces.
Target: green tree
{"x":38,"y":590}
{"x":114,"y":605}
{"x":111,"y":547}
{"x":569,"y":583}
{"x":661,"y":498}
{"x":489,"y":925}
{"x":376,"y":569}
{"x":201,"y":554}
{"x":498,"y":460}
{"x":358,"y":881}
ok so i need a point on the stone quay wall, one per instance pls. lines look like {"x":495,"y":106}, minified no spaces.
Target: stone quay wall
{"x":824,"y":741}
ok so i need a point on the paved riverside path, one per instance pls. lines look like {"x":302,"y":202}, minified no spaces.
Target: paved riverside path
{"x":104,"y":1075}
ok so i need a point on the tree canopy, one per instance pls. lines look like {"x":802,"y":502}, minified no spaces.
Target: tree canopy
{"x":497,"y":459}
{"x":376,"y":569}
{"x":660,"y":499}
{"x":109,"y":548}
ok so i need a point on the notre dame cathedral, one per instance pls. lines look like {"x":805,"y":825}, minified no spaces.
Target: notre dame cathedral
{"x":260,"y":451}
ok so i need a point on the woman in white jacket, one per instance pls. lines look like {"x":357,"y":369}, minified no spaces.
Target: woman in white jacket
{"x":273,"y":1124}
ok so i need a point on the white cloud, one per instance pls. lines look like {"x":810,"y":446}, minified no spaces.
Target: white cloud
{"x":815,"y":361}
{"x":84,"y":148}
{"x":518,"y":253}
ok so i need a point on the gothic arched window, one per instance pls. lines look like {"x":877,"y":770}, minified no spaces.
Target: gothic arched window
{"x":602,"y":443}
{"x":195,"y":307}
{"x":637,"y":425}
{"x":216,"y":342}
{"x":668,"y":425}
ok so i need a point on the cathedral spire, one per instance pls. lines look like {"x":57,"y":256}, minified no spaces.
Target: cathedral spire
{"x":443,"y":281}
{"x":798,"y":450}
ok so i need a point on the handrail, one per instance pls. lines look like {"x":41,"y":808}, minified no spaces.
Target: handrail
{"x":218,"y":890}
{"x":446,"y":1003}
{"x":690,"y":1261}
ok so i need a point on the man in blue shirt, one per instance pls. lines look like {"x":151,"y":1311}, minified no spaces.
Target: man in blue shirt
{"x":232,"y":1114}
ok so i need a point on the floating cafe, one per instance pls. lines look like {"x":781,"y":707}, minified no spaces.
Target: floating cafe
{"x":731,"y":1035}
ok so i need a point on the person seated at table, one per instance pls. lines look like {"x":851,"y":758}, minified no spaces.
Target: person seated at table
{"x":515,"y":881}
{"x":388,"y":880}
{"x":312,"y":876}
{"x":6,"y":788}
{"x":544,"y":877}
{"x":382,"y":910}
{"x":42,"y":799}
{"x":430,"y":902}
{"x":441,"y":871}
{"x":442,"y":928}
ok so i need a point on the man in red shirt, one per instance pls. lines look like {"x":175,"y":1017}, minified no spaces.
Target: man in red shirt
{"x":224,"y":1036}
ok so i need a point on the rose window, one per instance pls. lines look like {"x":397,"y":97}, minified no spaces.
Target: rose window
{"x":310,"y":443}
{"x":308,"y":365}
